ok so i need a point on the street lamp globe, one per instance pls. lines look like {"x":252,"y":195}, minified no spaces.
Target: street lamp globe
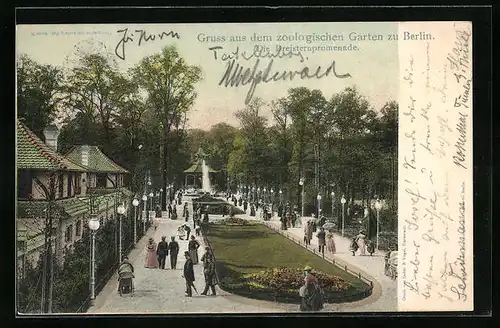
{"x":161,"y":189}
{"x":378,"y":205}
{"x":135,"y":202}
{"x":121,"y":209}
{"x":342,"y":200}
{"x":144,"y":198}
{"x":281,"y":191}
{"x":318,"y":197}
{"x":301,"y":181}
{"x":258,"y":189}
{"x":151,"y":194}
{"x":94,"y":224}
{"x":139,"y":147}
{"x":332,"y":194}
{"x":264,"y":190}
{"x":149,"y":183}
{"x":272,"y":191}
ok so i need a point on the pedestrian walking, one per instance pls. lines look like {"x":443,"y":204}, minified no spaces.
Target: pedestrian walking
{"x":173,"y":247}
{"x":205,"y":255}
{"x":188,"y":274}
{"x":311,"y":295}
{"x":360,"y":239}
{"x":209,"y":274}
{"x":169,"y":210}
{"x":330,"y":242}
{"x":321,"y":240}
{"x":198,"y":213}
{"x":188,"y":231}
{"x":193,"y":246}
{"x":162,"y":252}
{"x":370,"y":247}
{"x":310,"y":231}
{"x":151,"y":260}
{"x":354,"y":246}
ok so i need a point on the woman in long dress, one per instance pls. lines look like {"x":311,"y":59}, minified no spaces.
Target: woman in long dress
{"x":360,"y":238}
{"x":193,"y":246}
{"x":151,"y":258}
{"x":310,"y":231}
{"x":330,"y":244}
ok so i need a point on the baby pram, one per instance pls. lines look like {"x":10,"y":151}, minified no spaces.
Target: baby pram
{"x":181,"y":232}
{"x":126,"y":279}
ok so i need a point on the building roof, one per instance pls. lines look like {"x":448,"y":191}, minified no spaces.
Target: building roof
{"x":33,"y":153}
{"x":97,"y":160}
{"x":198,"y":168}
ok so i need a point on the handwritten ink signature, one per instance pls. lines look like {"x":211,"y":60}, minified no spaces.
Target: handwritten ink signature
{"x":237,"y":75}
{"x":143,"y":37}
{"x":258,"y":52}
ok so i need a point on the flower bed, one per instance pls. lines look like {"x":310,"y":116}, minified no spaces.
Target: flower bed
{"x":234,"y":221}
{"x":255,"y":262}
{"x":283,"y":284}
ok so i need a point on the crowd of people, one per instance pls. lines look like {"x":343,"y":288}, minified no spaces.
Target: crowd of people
{"x":310,"y":293}
{"x":156,"y":255}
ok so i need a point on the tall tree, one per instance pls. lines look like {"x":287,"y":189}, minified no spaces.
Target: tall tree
{"x":95,"y":88}
{"x":169,"y":83}
{"x":38,"y":88}
{"x":282,"y":119}
{"x":302,"y":104}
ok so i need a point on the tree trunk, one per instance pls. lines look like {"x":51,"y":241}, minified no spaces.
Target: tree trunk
{"x":166,"y":132}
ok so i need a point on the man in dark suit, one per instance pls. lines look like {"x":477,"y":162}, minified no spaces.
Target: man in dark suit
{"x":188,"y":274}
{"x":173,"y":247}
{"x":162,"y":252}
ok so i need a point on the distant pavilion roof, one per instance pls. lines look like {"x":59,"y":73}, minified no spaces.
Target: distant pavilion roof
{"x":33,"y":153}
{"x":198,"y":168}
{"x":97,"y":162}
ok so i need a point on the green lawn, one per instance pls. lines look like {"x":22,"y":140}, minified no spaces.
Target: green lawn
{"x":251,"y":248}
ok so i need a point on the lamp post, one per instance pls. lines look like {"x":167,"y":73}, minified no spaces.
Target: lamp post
{"x":281,"y":197}
{"x":135,"y":203}
{"x":121,"y":211}
{"x":301,"y":183}
{"x":342,"y":201}
{"x":265,"y":195}
{"x":93,"y":226}
{"x":161,"y":198}
{"x":319,"y":204}
{"x":333,"y":204}
{"x":151,"y":195}
{"x":144,"y":199}
{"x":378,"y":207}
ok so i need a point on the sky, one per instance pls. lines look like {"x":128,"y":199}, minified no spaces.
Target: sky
{"x":373,"y":68}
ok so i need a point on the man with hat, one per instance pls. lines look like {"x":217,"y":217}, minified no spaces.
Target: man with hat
{"x":162,"y":252}
{"x":205,"y":255}
{"x":173,"y":247}
{"x":209,"y":273}
{"x":188,"y":274}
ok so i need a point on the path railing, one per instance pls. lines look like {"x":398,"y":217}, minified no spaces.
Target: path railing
{"x":339,"y":264}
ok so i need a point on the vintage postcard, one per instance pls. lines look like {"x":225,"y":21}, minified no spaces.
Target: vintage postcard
{"x":244,"y":168}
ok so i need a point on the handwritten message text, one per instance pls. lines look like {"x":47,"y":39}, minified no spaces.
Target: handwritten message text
{"x":435,"y":180}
